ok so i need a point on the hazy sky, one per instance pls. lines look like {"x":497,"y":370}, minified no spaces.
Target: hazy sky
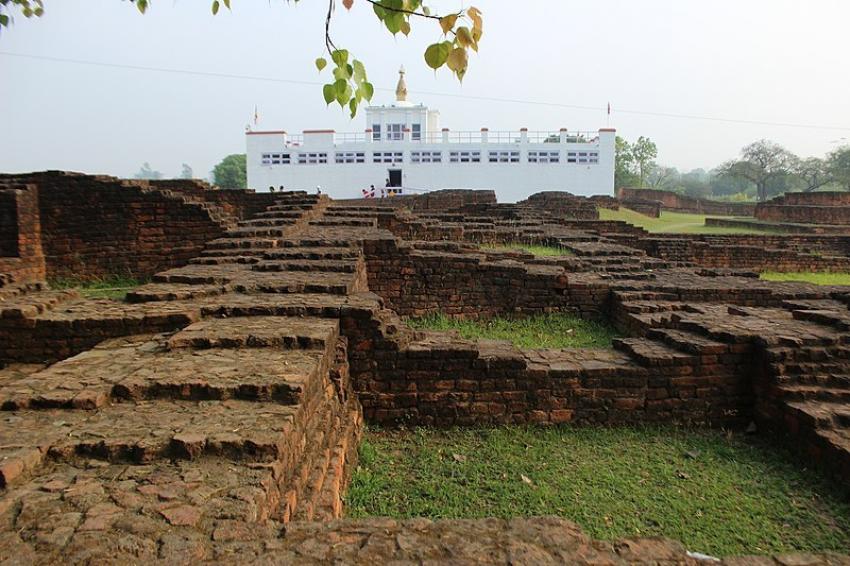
{"x":754,"y":60}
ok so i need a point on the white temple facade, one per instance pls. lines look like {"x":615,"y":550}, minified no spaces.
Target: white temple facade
{"x":404,"y":147}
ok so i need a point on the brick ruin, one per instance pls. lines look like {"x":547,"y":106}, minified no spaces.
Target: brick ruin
{"x":215,"y":414}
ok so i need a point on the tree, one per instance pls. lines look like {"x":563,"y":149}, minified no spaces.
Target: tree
{"x":644,"y":153}
{"x":186,"y":172}
{"x":461,"y":31}
{"x":838,"y":165}
{"x":761,"y":162}
{"x":813,"y":172}
{"x":231,"y":172}
{"x":146,"y":172}
{"x":662,"y":177}
{"x":624,"y":175}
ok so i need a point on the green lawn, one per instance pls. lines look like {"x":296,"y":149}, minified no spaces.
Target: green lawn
{"x":542,"y":251}
{"x":718,"y":494}
{"x":671,"y":222}
{"x":556,"y":330}
{"x":809,"y":277}
{"x":113,"y":287}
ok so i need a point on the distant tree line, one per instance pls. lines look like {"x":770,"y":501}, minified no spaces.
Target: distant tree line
{"x":763,"y":170}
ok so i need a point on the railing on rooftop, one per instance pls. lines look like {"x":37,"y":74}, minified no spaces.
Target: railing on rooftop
{"x":459,"y":137}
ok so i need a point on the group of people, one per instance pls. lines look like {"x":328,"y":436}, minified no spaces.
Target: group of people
{"x":386,"y":191}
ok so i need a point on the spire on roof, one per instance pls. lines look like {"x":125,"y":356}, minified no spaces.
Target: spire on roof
{"x":401,"y":88}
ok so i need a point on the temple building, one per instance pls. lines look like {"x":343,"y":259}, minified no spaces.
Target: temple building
{"x":404,"y":147}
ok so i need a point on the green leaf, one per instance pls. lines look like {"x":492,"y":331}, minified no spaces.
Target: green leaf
{"x":352,"y":105}
{"x":436,"y":55}
{"x":359,"y":72}
{"x":142,"y":5}
{"x":379,"y":11}
{"x":329,"y":92}
{"x":227,"y":3}
{"x":366,"y":90}
{"x":340,"y":56}
{"x":215,"y":6}
{"x":343,"y":92}
{"x":4,"y":20}
{"x":394,"y":21}
{"x":321,"y":63}
{"x":343,"y":72}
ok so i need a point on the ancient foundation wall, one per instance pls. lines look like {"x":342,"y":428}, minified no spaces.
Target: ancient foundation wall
{"x":760,"y":253}
{"x":21,"y":258}
{"x":682,"y":203}
{"x":563,"y":204}
{"x":445,"y":279}
{"x":646,"y":207}
{"x":92,"y":226}
{"x":238,"y":203}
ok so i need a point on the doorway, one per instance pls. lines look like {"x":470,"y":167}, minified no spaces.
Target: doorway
{"x":395,"y":177}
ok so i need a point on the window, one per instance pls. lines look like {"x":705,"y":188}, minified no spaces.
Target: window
{"x":426,"y":156}
{"x":312,"y":158}
{"x":275,"y":159}
{"x":465,"y":157}
{"x":543,"y":157}
{"x":376,"y":132}
{"x":350,"y":157}
{"x":503,"y":157}
{"x":416,"y":132}
{"x":395,"y":132}
{"x":387,"y":157}
{"x":583,"y":157}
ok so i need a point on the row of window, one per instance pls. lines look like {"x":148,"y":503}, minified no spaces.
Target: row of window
{"x":471,"y":156}
{"x":395,"y":132}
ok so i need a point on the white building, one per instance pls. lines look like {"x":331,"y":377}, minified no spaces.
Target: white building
{"x":403,"y":146}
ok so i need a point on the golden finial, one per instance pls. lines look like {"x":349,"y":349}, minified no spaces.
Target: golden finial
{"x":401,"y":89}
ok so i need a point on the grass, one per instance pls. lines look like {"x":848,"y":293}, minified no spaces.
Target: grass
{"x":671,"y":222}
{"x":540,"y":251}
{"x":809,"y":277}
{"x":556,"y":330}
{"x":718,"y":494}
{"x":113,"y":287}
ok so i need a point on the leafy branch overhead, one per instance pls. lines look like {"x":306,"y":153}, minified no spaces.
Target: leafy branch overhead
{"x":460,"y":32}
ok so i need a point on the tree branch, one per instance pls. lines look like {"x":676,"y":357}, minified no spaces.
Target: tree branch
{"x":402,"y":10}
{"x":329,"y":44}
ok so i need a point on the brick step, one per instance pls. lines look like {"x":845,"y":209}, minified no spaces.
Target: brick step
{"x":338,"y":266}
{"x":202,"y":274}
{"x":222,"y":259}
{"x":840,"y":319}
{"x":258,"y":232}
{"x":241,"y":243}
{"x":30,"y":305}
{"x":300,"y":282}
{"x":815,"y":393}
{"x":141,"y":367}
{"x":267,"y":222}
{"x":688,"y":342}
{"x":815,"y":414}
{"x":281,"y":214}
{"x":294,"y":205}
{"x":831,"y":380}
{"x":363,"y":222}
{"x":371,"y":213}
{"x":174,"y":292}
{"x":258,"y":332}
{"x":327,"y":253}
{"x":145,"y":431}
{"x":812,"y":355}
{"x":652,"y":353}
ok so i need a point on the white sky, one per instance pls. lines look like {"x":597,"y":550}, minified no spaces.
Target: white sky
{"x":759,"y":60}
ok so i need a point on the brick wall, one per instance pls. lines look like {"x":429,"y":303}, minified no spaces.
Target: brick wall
{"x":803,"y":214}
{"x":682,"y":203}
{"x":460,"y":284}
{"x":238,"y":203}
{"x":649,"y":208}
{"x":563,"y":204}
{"x":21,"y":260}
{"x":92,"y":226}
